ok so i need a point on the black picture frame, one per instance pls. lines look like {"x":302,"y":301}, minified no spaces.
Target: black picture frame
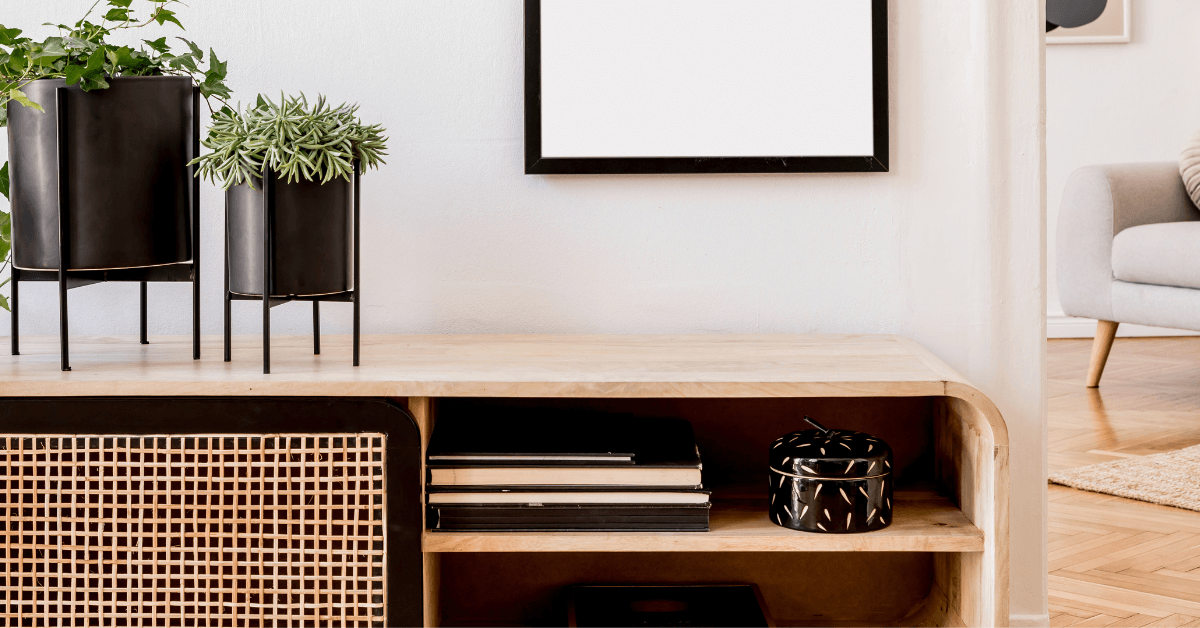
{"x":535,"y":163}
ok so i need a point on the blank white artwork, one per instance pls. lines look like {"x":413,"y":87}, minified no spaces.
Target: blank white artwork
{"x":706,"y":78}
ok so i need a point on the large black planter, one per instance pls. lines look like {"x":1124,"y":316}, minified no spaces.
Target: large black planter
{"x":300,"y":239}
{"x":101,"y":189}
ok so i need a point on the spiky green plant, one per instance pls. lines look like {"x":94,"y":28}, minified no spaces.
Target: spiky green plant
{"x":297,"y":141}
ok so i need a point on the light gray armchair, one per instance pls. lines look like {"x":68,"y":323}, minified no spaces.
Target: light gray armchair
{"x":1128,"y":251}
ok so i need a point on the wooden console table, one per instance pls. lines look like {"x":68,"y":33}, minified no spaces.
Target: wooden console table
{"x":943,"y":561}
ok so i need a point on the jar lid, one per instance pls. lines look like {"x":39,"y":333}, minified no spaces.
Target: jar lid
{"x":834,"y":454}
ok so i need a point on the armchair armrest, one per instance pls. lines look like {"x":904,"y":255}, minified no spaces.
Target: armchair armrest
{"x":1098,"y":203}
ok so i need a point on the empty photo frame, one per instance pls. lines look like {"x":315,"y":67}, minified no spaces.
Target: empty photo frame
{"x":705,"y":86}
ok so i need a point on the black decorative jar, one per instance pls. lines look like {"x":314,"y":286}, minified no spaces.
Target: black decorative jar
{"x":833,"y":481}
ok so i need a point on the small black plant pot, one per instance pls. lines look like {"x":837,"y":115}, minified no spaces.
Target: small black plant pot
{"x":311,"y":239}
{"x":101,"y":189}
{"x":292,"y":241}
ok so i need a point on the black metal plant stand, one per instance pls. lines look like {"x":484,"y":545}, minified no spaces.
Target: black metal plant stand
{"x":68,"y":279}
{"x":269,"y":299}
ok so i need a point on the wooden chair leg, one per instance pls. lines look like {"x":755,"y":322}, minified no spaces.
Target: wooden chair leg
{"x":1106,"y":331}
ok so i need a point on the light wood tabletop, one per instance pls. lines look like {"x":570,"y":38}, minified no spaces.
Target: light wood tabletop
{"x":490,"y":365}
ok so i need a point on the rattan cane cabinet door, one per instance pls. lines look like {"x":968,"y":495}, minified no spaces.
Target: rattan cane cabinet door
{"x":248,"y":528}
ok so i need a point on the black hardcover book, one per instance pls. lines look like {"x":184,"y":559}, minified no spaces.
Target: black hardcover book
{"x":666,"y":605}
{"x":544,"y":495}
{"x":524,"y":437}
{"x":573,"y":512}
{"x":571,"y":518}
{"x":584,"y":517}
{"x":583,"y":527}
{"x":578,"y":476}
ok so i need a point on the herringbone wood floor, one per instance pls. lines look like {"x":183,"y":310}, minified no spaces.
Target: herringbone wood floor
{"x":1114,"y":561}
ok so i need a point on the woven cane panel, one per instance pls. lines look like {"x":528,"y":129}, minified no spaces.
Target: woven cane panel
{"x":220,"y":530}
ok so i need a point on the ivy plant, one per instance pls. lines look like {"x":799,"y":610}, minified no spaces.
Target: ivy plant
{"x":81,"y":54}
{"x":316,"y":142}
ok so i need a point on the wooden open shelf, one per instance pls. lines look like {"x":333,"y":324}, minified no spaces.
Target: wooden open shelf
{"x":925,"y":522}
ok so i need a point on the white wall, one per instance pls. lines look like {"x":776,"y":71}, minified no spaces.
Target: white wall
{"x":948,"y":248}
{"x":1115,"y":103}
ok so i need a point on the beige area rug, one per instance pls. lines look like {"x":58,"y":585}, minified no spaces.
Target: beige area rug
{"x":1171,"y":479}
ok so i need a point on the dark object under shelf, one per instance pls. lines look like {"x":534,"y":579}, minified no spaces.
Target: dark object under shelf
{"x":833,"y":481}
{"x":654,"y":605}
{"x":102,"y":190}
{"x":301,"y":240}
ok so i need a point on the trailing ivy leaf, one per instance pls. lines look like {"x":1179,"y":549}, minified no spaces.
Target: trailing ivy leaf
{"x":76,"y":43}
{"x":52,"y":47}
{"x":118,"y":15}
{"x":129,"y":60}
{"x":4,"y":303}
{"x":196,"y":50}
{"x":91,"y":76}
{"x":217,"y":69}
{"x":158,"y":45}
{"x":4,"y":180}
{"x":8,"y":36}
{"x":218,"y":90}
{"x":96,"y":59}
{"x":162,"y":16}
{"x":93,"y":81}
{"x":214,"y":78}
{"x":20,"y":97}
{"x":184,"y":62}
{"x":120,"y":3}
{"x":73,"y":73}
{"x":17,"y":61}
{"x":5,"y":235}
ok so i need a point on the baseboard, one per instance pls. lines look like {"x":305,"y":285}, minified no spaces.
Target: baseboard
{"x":1029,"y":621}
{"x":1062,"y":326}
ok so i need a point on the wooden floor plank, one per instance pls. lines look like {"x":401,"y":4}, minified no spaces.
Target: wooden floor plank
{"x":1115,"y":561}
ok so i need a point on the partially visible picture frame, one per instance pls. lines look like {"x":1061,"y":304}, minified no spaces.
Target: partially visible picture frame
{"x":706,"y":86}
{"x":1112,"y":27}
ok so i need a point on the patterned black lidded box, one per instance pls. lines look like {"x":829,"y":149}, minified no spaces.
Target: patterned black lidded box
{"x":834,"y":481}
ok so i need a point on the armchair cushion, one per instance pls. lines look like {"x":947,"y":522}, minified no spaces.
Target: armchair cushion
{"x":1164,"y":254}
{"x":1189,"y":168}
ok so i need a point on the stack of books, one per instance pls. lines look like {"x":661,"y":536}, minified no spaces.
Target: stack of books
{"x":565,"y":471}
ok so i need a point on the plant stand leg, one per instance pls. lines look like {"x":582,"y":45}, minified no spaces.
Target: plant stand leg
{"x":195,"y":207}
{"x":357,"y":285}
{"x":228,"y":329}
{"x":64,"y":216}
{"x":14,"y":318}
{"x":143,"y":314}
{"x":196,"y":312}
{"x":316,"y":328}
{"x":266,"y":333}
{"x":268,"y":202}
{"x":228,"y":295}
{"x":62,"y":318}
